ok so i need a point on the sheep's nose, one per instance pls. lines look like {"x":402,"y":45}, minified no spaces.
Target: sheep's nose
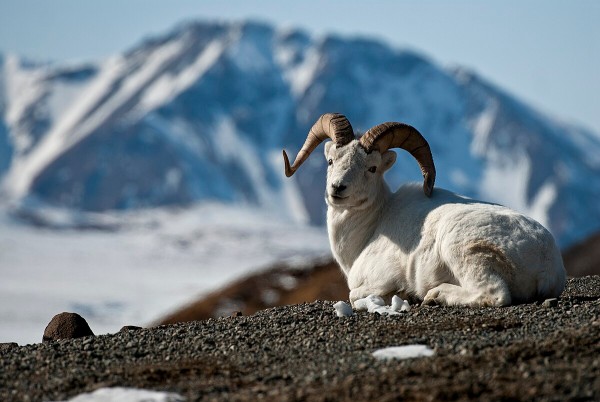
{"x":338,"y":188}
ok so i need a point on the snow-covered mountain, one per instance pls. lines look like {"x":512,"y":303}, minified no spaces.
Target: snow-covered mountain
{"x":203,"y":112}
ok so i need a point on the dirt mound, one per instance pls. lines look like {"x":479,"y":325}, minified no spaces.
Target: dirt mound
{"x":583,"y":258}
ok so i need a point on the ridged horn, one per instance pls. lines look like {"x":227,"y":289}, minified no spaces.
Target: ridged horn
{"x":330,"y":125}
{"x":399,"y":135}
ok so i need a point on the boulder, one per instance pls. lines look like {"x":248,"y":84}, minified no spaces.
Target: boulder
{"x":66,"y":326}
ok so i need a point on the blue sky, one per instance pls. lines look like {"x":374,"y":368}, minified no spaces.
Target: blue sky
{"x":545,"y":51}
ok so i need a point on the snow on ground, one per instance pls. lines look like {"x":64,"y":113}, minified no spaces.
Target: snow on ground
{"x":120,"y":394}
{"x":403,"y":352}
{"x":157,"y":261}
{"x":372,"y":304}
{"x":375,"y":304}
{"x":343,"y":309}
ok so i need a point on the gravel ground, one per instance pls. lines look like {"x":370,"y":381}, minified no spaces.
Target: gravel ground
{"x":305,"y":352}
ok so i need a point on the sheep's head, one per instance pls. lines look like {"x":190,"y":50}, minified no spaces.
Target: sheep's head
{"x":353,"y":175}
{"x":356,"y":166}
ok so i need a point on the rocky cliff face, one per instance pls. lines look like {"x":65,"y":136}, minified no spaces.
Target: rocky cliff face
{"x":203,"y":112}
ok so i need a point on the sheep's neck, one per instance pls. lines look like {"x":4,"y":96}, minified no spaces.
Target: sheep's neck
{"x":350,"y":229}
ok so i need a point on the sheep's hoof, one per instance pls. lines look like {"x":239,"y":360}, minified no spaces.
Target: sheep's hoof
{"x":429,"y":302}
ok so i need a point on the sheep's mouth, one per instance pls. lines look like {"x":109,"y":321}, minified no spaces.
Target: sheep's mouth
{"x":336,"y":199}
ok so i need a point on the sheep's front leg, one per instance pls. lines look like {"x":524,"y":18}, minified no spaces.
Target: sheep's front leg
{"x":363,"y":291}
{"x":453,"y":295}
{"x":446,"y":294}
{"x":366,"y":277}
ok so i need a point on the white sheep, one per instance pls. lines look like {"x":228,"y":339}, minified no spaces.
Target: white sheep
{"x":434,"y":246}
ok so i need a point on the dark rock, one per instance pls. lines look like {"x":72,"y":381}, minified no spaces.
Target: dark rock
{"x":66,"y":326}
{"x":550,"y":302}
{"x":236,"y":314}
{"x":130,"y":328}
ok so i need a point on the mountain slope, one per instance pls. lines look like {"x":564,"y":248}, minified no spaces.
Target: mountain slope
{"x":203,"y":112}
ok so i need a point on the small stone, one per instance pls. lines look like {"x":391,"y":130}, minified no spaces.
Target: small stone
{"x":127,"y":328}
{"x":550,"y":302}
{"x":66,"y":326}
{"x":236,"y":314}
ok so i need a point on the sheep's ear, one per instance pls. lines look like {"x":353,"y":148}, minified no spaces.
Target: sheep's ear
{"x":387,"y":160}
{"x":328,"y":145}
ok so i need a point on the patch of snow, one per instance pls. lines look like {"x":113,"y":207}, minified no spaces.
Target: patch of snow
{"x":375,"y":304}
{"x":343,"y":309}
{"x":151,"y":66}
{"x":290,"y":193}
{"x":168,"y":86}
{"x":505,"y":179}
{"x":230,"y":145}
{"x":227,"y":142}
{"x":179,"y":131}
{"x":173,"y":178}
{"x":300,"y":75}
{"x":403,"y":352}
{"x":63,"y":95}
{"x":248,"y":55}
{"x":23,"y":86}
{"x":399,"y":305}
{"x":287,"y":282}
{"x":482,"y":128}
{"x":269,"y":297}
{"x":121,"y":394}
{"x":541,"y":204}
{"x":369,"y":303}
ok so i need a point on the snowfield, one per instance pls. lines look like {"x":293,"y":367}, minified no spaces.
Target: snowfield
{"x":151,"y":262}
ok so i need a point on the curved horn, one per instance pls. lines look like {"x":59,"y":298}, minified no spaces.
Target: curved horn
{"x":329,"y":125}
{"x":399,"y":135}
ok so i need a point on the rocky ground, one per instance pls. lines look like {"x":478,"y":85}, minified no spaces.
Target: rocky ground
{"x":305,"y":352}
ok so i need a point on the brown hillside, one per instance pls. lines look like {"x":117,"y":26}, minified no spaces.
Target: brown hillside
{"x":584,"y":258}
{"x":278,"y":286}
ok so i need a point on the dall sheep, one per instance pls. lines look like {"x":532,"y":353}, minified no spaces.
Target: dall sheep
{"x":433,"y":246}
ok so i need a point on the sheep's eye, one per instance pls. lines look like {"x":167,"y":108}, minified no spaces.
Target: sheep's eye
{"x":330,"y":161}
{"x":373,"y":169}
